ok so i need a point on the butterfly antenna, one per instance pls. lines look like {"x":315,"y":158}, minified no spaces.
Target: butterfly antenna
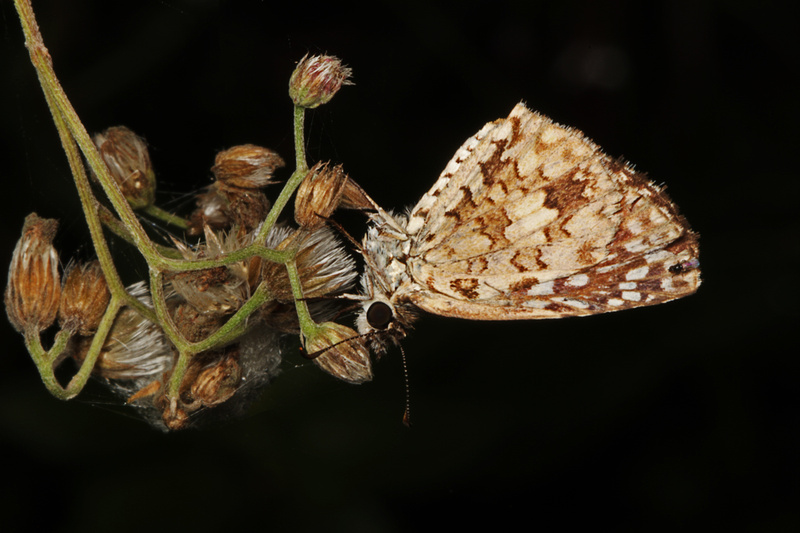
{"x":407,"y":411}
{"x":338,"y":227}
{"x":313,"y":355}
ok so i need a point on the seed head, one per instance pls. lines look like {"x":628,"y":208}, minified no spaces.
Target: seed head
{"x":214,"y":382}
{"x":339,"y":351}
{"x":128,"y":162}
{"x":316,"y":79}
{"x":322,"y":263}
{"x":34,"y":288}
{"x":84,"y":298}
{"x":319,"y":195}
{"x":135,"y":349}
{"x":211,"y":379}
{"x":220,"y":290}
{"x":246,"y":166}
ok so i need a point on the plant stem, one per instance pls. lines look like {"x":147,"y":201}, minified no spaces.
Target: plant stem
{"x":80,"y":378}
{"x":165,"y":216}
{"x":61,"y":106}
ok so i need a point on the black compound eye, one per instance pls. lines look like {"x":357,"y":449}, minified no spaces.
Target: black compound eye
{"x":379,"y":315}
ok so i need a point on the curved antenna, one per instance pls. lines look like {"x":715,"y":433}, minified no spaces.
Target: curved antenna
{"x":407,"y":410}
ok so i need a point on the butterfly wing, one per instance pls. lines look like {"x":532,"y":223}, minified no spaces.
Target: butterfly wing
{"x":530,"y":219}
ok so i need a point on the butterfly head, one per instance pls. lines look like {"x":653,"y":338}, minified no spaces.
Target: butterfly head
{"x":385,"y":317}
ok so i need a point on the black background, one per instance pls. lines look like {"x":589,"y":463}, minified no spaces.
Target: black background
{"x":679,"y":415}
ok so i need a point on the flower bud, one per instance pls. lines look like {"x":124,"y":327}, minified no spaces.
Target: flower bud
{"x":318,"y":195}
{"x":246,"y":166}
{"x":340,"y":351}
{"x":316,"y":79}
{"x":128,"y":161}
{"x":84,"y":298}
{"x":34,"y":288}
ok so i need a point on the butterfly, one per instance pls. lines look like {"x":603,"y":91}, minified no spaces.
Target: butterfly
{"x":528,"y":220}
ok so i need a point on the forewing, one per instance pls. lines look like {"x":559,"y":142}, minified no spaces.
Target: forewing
{"x":530,"y":219}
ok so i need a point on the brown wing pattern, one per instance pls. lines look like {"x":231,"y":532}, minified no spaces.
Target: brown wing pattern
{"x":531,"y":220}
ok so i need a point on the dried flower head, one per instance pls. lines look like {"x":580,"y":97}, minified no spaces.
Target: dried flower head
{"x":84,"y":298}
{"x":322,"y":263}
{"x":34,"y":288}
{"x":128,"y":161}
{"x":340,"y":351}
{"x":316,"y":79}
{"x":246,"y":166}
{"x":219,"y":385}
{"x":213,"y":382}
{"x":319,"y":195}
{"x":211,"y":379}
{"x":219,"y":290}
{"x":135,"y":349}
{"x":212,"y":211}
{"x":221,"y":208}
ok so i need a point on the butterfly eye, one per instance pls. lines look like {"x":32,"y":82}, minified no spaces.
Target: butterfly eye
{"x":379,"y":315}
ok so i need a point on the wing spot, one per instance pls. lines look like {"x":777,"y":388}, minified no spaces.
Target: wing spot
{"x":515,"y":261}
{"x":637,"y":273}
{"x":565,"y":193}
{"x":466,"y":287}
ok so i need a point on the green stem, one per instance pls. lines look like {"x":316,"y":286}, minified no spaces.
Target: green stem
{"x":300,"y":162}
{"x":308,"y":327}
{"x":89,"y":204}
{"x":45,"y":360}
{"x":160,"y":305}
{"x":236,"y":324}
{"x":116,"y":227}
{"x":79,"y":380}
{"x":60,"y":106}
{"x":294,"y":181}
{"x":165,"y":216}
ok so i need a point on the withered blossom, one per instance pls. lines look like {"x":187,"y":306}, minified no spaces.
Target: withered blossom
{"x":322,"y":263}
{"x":234,"y":199}
{"x":135,"y":349}
{"x":341,"y":352}
{"x":33,"y":291}
{"x":128,"y":161}
{"x":84,"y":298}
{"x":220,"y":290}
{"x":319,"y":195}
{"x":246,"y":166}
{"x":211,"y":379}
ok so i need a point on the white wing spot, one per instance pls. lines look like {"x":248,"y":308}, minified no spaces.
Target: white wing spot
{"x":635,"y":227}
{"x":637,"y":273}
{"x":578,"y":280}
{"x":580,"y":304}
{"x":631,"y":296}
{"x":535,"y":304}
{"x":627,"y":285}
{"x":542,"y":289}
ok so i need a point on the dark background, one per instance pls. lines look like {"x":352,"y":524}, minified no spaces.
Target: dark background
{"x":679,"y":415}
